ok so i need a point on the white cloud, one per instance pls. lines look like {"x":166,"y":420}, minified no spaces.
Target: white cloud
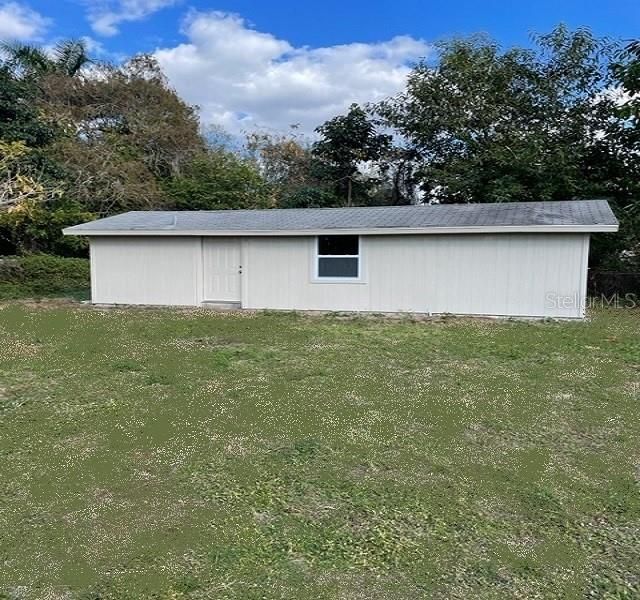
{"x":19,"y":22}
{"x":242,"y":78}
{"x":106,"y":15}
{"x":97,"y":50}
{"x":94,"y":47}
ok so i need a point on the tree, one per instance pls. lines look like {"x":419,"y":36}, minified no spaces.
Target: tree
{"x":294,"y":175}
{"x":218,"y":179}
{"x":74,"y":145}
{"x":626,"y":71}
{"x":125,"y":132}
{"x":107,"y":177}
{"x":33,"y":206}
{"x":284,"y":160}
{"x":32,"y":226}
{"x":20,"y":119}
{"x":132,"y":104}
{"x":346,"y":142}
{"x":68,"y":58}
{"x":308,"y":197}
{"x":493,"y":125}
{"x":20,"y":185}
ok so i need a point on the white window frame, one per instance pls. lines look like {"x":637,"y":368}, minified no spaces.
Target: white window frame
{"x":317,"y":278}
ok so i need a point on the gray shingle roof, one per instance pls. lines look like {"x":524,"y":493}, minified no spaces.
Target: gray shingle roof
{"x":585,"y":214}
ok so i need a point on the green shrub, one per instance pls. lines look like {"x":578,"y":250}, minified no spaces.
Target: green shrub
{"x":42,"y":275}
{"x":37,"y":228}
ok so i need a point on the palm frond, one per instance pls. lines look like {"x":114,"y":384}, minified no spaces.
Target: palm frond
{"x":70,"y":56}
{"x":634,"y":48}
{"x":26,"y":58}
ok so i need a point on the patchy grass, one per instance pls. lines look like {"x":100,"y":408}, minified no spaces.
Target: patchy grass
{"x":189,"y":454}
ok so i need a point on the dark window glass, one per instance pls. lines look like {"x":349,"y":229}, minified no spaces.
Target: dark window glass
{"x":338,"y":244}
{"x":337,"y":267}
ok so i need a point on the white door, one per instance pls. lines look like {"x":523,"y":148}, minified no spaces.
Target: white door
{"x":221,"y":261}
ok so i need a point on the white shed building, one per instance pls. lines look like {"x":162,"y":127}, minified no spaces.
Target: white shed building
{"x":524,"y":259}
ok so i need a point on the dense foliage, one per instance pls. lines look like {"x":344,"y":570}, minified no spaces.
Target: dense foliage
{"x":217,"y":180}
{"x":558,"y":120}
{"x":80,"y":140}
{"x":43,"y":275}
{"x":487,"y":125}
{"x":346,"y":142}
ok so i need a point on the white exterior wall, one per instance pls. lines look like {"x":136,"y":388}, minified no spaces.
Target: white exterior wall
{"x":146,"y":270}
{"x":479,"y":274}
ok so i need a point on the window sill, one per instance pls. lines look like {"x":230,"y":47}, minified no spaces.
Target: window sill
{"x":348,"y":280}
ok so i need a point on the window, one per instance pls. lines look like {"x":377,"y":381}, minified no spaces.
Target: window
{"x":338,"y":257}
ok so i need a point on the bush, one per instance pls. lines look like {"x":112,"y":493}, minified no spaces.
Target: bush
{"x":42,"y":275}
{"x":219,"y":180}
{"x":33,"y":227}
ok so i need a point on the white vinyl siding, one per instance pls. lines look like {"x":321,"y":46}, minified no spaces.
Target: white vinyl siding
{"x":492,"y":274}
{"x":477,"y":274}
{"x":146,"y":270}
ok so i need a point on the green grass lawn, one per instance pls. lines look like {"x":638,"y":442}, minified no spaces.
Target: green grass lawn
{"x":189,"y":454}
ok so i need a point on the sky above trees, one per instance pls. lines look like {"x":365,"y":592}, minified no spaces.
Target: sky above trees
{"x":250,"y":64}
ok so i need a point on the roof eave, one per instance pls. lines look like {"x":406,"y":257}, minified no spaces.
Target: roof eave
{"x":79,"y":231}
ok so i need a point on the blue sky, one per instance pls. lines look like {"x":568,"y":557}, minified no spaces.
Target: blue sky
{"x":258,"y":64}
